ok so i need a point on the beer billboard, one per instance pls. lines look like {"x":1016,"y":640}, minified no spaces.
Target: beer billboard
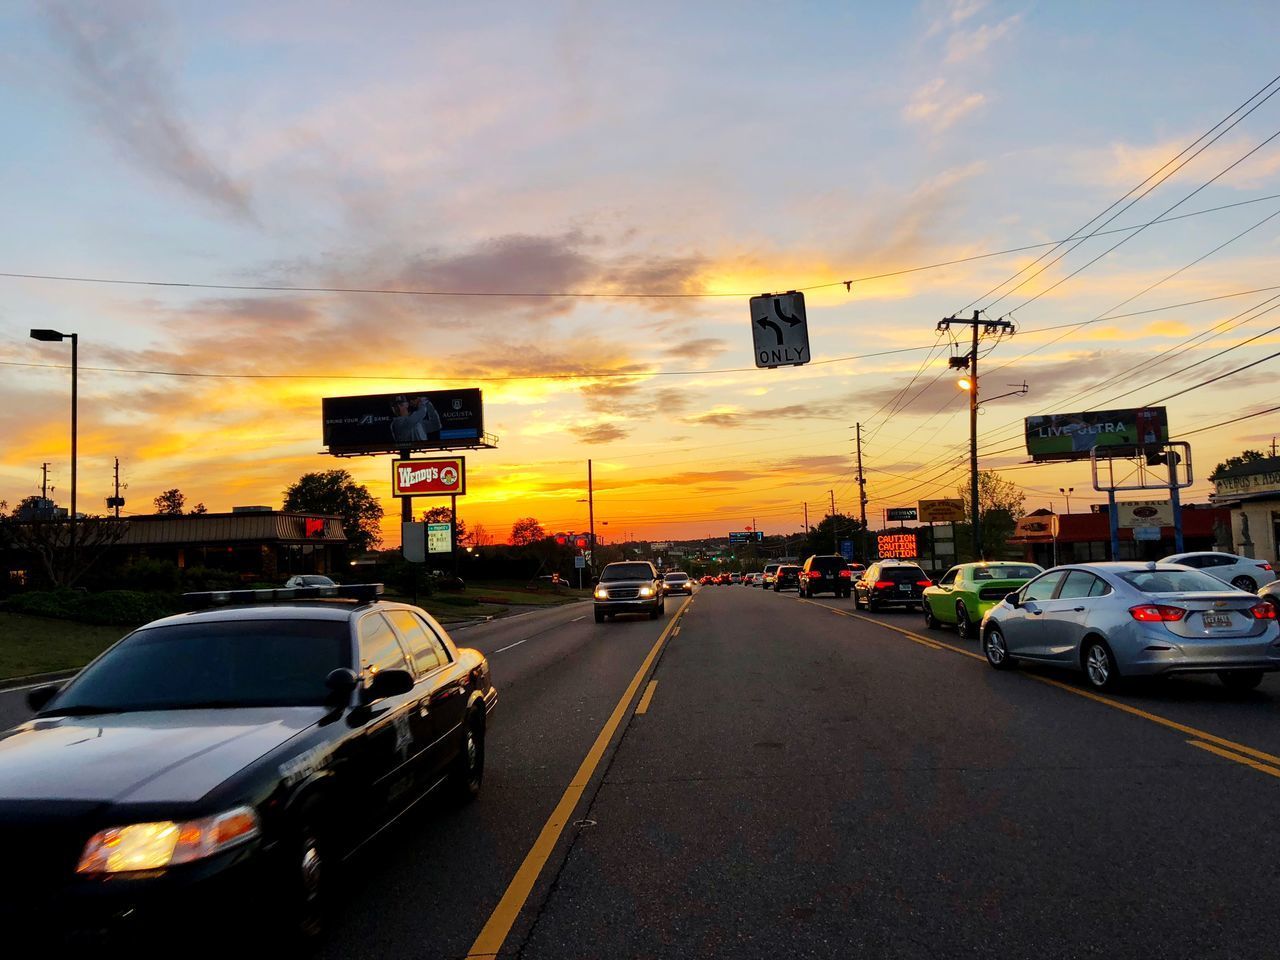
{"x":391,"y":422}
{"x":1071,"y":436}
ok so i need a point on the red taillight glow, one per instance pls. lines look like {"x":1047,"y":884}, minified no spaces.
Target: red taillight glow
{"x":1265,"y":566}
{"x":884,"y":584}
{"x":1263,"y":611}
{"x":846,"y":574}
{"x":924,"y":583}
{"x":1156,"y":613}
{"x":815,"y":574}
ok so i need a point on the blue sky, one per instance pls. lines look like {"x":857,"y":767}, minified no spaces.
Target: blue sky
{"x":710,"y":148}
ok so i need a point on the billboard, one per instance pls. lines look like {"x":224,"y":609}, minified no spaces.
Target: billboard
{"x":390,"y":422}
{"x":439,"y":538}
{"x":897,"y":545}
{"x":429,"y":477}
{"x":1070,"y":436}
{"x":941,"y":511}
{"x":1137,"y":514}
{"x":745,"y":536}
{"x":901,"y":513}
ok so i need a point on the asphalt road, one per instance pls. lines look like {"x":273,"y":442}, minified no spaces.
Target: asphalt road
{"x":807,"y":781}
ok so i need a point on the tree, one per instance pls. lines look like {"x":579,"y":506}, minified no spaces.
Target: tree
{"x":527,"y":530}
{"x":445,"y":515}
{"x":1231,"y":463}
{"x":826,"y":536}
{"x":1001,"y":504}
{"x":50,"y":541}
{"x":171,"y":501}
{"x":336,"y":492}
{"x":199,"y":508}
{"x":480,"y":537}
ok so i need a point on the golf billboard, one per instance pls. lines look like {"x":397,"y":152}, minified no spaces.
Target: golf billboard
{"x":391,"y":422}
{"x":1071,"y":436}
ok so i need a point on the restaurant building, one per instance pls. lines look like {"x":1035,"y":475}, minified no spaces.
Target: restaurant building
{"x":1048,"y":539}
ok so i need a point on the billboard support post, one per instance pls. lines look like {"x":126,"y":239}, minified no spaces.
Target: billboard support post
{"x":406,"y":503}
{"x":1175,"y":499}
{"x":1113,"y":518}
{"x":453,"y":532}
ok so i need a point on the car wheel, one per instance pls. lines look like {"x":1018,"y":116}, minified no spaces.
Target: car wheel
{"x":1100,"y":666}
{"x":844,"y":594}
{"x":306,"y":883}
{"x":1240,"y":679}
{"x":600,"y":616}
{"x":467,"y":774}
{"x":930,"y":621}
{"x":654,"y":613}
{"x":996,"y":650}
{"x":872,"y":606}
{"x":964,"y":626}
{"x":857,"y":601}
{"x":1246,"y":584}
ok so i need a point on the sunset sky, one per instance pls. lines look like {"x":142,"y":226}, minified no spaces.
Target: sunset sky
{"x":720,"y":150}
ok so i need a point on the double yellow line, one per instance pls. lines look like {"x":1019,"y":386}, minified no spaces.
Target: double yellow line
{"x":504,"y":915}
{"x":1219,"y":746}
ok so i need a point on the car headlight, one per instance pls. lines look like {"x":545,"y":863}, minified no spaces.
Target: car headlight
{"x":602,"y":593}
{"x":646,"y":591}
{"x":153,"y":846}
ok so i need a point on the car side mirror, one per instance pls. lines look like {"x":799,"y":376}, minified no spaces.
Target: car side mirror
{"x":1012,"y":599}
{"x":38,"y":698}
{"x":388,"y":683}
{"x":594,"y":581}
{"x":340,"y":683}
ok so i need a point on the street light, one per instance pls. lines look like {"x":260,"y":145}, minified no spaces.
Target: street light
{"x":50,"y":336}
{"x":964,"y":383}
{"x":1067,"y":492}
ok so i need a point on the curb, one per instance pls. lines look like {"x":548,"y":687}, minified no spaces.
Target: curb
{"x":36,"y":679}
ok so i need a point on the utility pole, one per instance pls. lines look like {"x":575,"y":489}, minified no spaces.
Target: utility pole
{"x":835,"y":543}
{"x":1273,"y":446}
{"x":862,"y":500}
{"x":44,"y":483}
{"x":806,"y":518}
{"x":116,"y":502}
{"x":591,"y":520}
{"x":970,"y":363}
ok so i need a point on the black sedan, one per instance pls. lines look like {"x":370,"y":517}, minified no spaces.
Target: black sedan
{"x":221,"y":763}
{"x":788,"y":578}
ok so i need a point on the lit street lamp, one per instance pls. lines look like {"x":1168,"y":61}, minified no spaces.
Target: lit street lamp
{"x":50,"y":336}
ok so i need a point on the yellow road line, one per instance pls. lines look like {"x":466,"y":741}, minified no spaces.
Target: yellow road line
{"x":1200,"y":735}
{"x":648,"y":695}
{"x":1260,"y":767}
{"x":504,"y":915}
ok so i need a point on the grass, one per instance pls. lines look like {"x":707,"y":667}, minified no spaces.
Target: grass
{"x":30,"y":645}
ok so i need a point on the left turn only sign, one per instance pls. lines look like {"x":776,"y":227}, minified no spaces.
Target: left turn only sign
{"x":780,"y":330}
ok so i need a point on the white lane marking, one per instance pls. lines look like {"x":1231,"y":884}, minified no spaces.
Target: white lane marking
{"x":516,"y":644}
{"x":576,"y":619}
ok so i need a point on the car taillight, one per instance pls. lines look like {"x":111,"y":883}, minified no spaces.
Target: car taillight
{"x":1156,"y":613}
{"x":1265,"y":566}
{"x":846,"y":574}
{"x":1263,"y":611}
{"x":815,"y":574}
{"x":924,"y":583}
{"x":884,"y":584}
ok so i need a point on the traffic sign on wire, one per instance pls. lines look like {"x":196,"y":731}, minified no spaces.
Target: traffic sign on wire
{"x":780,"y":330}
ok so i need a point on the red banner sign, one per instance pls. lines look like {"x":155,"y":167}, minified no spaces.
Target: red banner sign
{"x":434,"y":477}
{"x":314,"y":526}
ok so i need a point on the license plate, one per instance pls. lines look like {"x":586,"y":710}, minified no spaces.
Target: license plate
{"x":904,"y":588}
{"x":1217,"y":619}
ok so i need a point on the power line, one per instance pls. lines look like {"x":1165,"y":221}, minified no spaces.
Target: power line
{"x":597,"y":294}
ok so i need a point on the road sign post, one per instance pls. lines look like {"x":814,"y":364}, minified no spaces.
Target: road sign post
{"x":780,"y":330}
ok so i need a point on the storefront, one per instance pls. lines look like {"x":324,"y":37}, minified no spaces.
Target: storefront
{"x":1251,"y":492}
{"x":1049,"y":539}
{"x":257,"y":545}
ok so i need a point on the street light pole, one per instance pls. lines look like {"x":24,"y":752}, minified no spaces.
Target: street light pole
{"x":50,"y":336}
{"x":1067,"y":492}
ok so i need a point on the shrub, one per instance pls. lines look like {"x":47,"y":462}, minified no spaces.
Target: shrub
{"x":118,"y":608}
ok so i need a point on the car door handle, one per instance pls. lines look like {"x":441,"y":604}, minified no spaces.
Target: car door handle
{"x":1036,"y":613}
{"x":1079,"y":609}
{"x":423,"y":711}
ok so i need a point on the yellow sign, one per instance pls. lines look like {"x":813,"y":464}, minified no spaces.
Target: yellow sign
{"x":941,"y":511}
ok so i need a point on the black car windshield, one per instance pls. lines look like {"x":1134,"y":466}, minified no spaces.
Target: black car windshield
{"x":1169,"y":580}
{"x":901,"y":574}
{"x":627,"y":571}
{"x":239,"y":663}
{"x":676,"y":576}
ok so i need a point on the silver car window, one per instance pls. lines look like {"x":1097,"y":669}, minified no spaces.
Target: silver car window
{"x":1078,"y":584}
{"x":950,"y":577}
{"x":1172,"y":580}
{"x":1042,"y":587}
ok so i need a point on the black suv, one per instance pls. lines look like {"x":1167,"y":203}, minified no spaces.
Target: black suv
{"x":890,"y":584}
{"x":788,"y":578}
{"x":825,"y":574}
{"x":629,"y":587}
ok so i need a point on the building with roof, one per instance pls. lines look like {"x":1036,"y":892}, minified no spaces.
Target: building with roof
{"x":1047,"y":538}
{"x":1251,"y":492}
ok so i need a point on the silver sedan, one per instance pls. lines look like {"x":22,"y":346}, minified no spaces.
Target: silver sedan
{"x":1113,"y":620}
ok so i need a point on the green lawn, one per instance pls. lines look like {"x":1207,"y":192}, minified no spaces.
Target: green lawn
{"x":38,"y":645}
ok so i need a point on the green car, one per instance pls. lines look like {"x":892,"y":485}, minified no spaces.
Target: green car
{"x":967,"y":591}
